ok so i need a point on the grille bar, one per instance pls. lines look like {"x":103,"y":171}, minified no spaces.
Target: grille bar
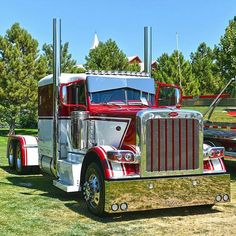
{"x":172,"y":144}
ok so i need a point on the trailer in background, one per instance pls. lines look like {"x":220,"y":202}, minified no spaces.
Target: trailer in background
{"x":222,"y":133}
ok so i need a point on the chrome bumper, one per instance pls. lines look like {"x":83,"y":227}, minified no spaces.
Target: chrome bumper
{"x":146,"y":194}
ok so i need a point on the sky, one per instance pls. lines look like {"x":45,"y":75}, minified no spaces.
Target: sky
{"x":122,"y":21}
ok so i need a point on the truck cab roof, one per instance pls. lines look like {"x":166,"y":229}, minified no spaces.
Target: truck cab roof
{"x":71,"y":77}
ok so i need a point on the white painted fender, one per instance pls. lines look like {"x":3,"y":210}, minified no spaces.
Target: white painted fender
{"x":29,"y":149}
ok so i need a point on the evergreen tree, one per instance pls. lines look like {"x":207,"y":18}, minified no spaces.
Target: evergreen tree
{"x":106,"y":56}
{"x":134,"y":67}
{"x":20,"y":69}
{"x":205,"y":70}
{"x":68,"y":65}
{"x":226,"y":51}
{"x":168,"y":71}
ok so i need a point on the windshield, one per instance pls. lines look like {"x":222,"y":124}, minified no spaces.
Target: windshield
{"x":122,"y":96}
{"x":121,"y":90}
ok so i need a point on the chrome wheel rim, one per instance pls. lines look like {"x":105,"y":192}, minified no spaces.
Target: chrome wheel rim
{"x":18,"y":160}
{"x":10,"y":157}
{"x":92,"y":190}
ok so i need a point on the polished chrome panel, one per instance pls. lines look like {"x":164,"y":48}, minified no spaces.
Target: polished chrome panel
{"x":147,"y":194}
{"x":46,"y":164}
{"x":147,"y":118}
{"x":79,"y":129}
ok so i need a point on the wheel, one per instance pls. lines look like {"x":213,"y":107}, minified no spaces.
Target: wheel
{"x":11,"y":156}
{"x":18,"y":159}
{"x":93,"y":189}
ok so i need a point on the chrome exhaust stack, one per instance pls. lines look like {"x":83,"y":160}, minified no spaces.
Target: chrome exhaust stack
{"x":56,"y":76}
{"x":148,"y":49}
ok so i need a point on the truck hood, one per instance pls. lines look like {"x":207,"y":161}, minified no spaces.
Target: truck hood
{"x":116,"y":111}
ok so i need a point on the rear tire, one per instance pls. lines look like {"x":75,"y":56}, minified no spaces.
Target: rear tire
{"x":11,"y":156}
{"x":93,"y":189}
{"x":18,"y":160}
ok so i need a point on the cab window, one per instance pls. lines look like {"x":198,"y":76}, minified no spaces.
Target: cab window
{"x":74,"y":94}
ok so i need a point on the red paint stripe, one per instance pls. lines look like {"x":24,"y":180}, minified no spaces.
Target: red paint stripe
{"x":215,"y":126}
{"x":186,"y":144}
{"x":26,"y":154}
{"x":234,"y":128}
{"x":193,"y":138}
{"x":166,"y":145}
{"x":159,"y":145}
{"x":109,"y":163}
{"x":173,"y":144}
{"x":107,"y":171}
{"x":207,"y":126}
{"x":180,"y":147}
{"x":23,"y":151}
{"x":224,"y":95}
{"x":223,"y":127}
{"x":152,"y":145}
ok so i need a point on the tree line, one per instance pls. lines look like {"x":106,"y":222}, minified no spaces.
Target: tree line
{"x":22,"y":65}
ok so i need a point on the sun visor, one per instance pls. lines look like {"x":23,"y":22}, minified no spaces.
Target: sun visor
{"x":98,"y":83}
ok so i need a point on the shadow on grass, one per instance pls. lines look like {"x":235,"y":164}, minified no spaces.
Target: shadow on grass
{"x":38,"y":182}
{"x":231,"y":169}
{"x":130,"y":216}
{"x":44,"y":185}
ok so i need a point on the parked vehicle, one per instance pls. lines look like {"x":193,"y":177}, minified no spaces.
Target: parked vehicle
{"x":222,"y":133}
{"x":124,"y":145}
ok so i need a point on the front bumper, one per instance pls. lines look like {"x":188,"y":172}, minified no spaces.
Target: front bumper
{"x":166,"y":192}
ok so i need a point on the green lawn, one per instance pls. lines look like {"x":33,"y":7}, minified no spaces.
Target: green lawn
{"x":219,"y":114}
{"x":31,"y":205}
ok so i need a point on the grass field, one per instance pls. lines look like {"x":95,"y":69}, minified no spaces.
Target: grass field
{"x":219,"y":114}
{"x":31,"y":205}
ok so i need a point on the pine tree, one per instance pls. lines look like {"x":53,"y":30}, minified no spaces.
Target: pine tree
{"x":68,"y":65}
{"x":106,"y":56}
{"x":174,"y":69}
{"x":226,"y":51}
{"x":205,"y":70}
{"x":134,"y":67}
{"x":20,"y":69}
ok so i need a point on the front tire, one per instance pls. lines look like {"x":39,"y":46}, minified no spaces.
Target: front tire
{"x":93,"y":189}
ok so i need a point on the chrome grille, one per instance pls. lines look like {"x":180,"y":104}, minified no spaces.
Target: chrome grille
{"x":172,"y":144}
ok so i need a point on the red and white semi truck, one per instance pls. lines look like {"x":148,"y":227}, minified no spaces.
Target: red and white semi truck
{"x":124,"y":145}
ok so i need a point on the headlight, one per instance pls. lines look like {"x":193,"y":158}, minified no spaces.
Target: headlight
{"x":214,"y":152}
{"x":128,"y":157}
{"x":122,"y":156}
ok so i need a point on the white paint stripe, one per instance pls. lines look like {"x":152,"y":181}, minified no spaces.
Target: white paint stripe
{"x":216,"y":164}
